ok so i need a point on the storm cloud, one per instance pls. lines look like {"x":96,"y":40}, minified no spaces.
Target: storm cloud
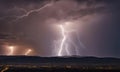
{"x":32,"y":20}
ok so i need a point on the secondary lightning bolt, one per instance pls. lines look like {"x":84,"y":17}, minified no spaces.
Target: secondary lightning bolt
{"x":34,"y":10}
{"x":11,"y":49}
{"x":67,"y":50}
{"x":27,"y":52}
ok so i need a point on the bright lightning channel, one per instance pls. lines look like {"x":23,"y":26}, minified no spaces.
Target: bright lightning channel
{"x":63,"y":40}
{"x":11,"y":49}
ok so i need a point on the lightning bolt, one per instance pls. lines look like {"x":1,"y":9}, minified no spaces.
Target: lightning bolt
{"x":76,"y":47}
{"x":63,"y":40}
{"x":80,"y":43}
{"x":34,"y":10}
{"x":27,"y":52}
{"x":65,"y":30}
{"x":67,"y":50}
{"x":11,"y":48}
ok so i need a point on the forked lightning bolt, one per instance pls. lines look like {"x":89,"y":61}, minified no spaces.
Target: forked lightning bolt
{"x":63,"y":40}
{"x":66,"y":40}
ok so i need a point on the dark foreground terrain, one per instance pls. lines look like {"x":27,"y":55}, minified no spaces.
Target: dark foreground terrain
{"x":58,"y":64}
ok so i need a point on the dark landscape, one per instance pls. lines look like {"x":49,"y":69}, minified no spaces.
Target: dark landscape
{"x":57,"y":64}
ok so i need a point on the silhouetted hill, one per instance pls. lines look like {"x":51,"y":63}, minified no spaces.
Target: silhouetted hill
{"x":61,"y":60}
{"x":57,"y":64}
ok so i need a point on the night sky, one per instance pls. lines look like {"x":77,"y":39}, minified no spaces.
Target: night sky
{"x":34,"y":21}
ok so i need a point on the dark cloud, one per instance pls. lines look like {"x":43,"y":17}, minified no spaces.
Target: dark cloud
{"x":15,"y":8}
